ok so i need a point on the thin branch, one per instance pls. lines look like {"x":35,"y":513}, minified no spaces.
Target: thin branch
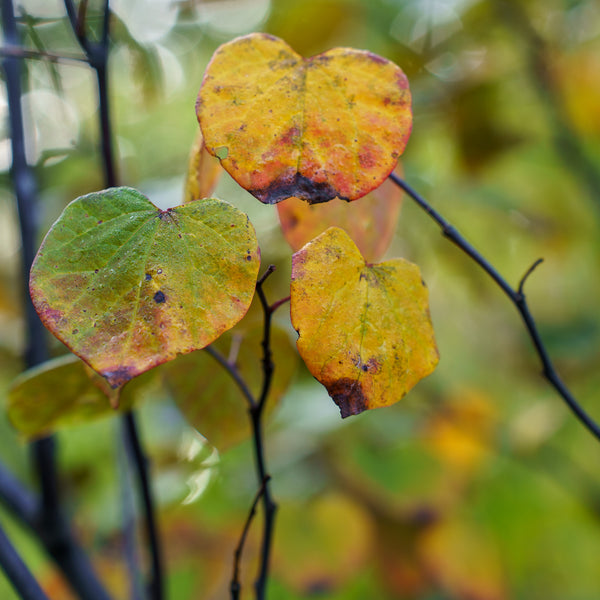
{"x":256,"y":412}
{"x":140,"y":462}
{"x":17,"y":573}
{"x":49,"y":522}
{"x":279,"y":303}
{"x":17,"y":498}
{"x":129,"y":524}
{"x":9,"y":51}
{"x":234,"y":374}
{"x":97,"y":53}
{"x":235,"y":586}
{"x":517,"y":297}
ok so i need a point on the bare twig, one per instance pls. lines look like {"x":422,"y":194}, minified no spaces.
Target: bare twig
{"x":256,"y":413}
{"x":235,"y":587}
{"x":517,"y":297}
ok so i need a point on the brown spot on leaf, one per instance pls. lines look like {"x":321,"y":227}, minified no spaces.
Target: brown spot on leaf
{"x":120,"y":376}
{"x":296,"y":185}
{"x":159,"y":297}
{"x":348,"y":395}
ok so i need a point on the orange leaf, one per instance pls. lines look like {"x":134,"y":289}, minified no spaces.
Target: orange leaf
{"x":282,"y":125}
{"x":364,"y":330}
{"x":370,"y":223}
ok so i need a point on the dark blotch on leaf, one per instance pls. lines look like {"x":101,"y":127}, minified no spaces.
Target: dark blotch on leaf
{"x":348,"y":395}
{"x":159,"y":297}
{"x":120,"y":376}
{"x":148,"y":277}
{"x":298,"y":186}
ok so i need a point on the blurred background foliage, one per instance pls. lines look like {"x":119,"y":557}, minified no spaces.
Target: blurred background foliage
{"x":479,"y":485}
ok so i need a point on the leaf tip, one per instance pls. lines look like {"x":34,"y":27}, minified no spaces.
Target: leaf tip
{"x":347,"y":393}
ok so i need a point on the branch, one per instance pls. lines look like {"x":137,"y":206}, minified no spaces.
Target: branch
{"x":517,"y":297}
{"x":17,"y":573}
{"x":256,"y":412}
{"x":10,"y":51}
{"x":235,"y":587}
{"x":140,"y":462}
{"x":234,"y":374}
{"x":48,"y":522}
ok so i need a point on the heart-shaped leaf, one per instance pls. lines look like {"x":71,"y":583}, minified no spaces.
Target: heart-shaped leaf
{"x":127,"y":286}
{"x":331,"y":125}
{"x":364,"y":330}
{"x":370,"y":222}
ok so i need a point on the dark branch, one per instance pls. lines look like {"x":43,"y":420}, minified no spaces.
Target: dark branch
{"x":233,"y":373}
{"x":140,"y":463}
{"x":256,"y":413}
{"x":235,"y":586}
{"x":17,"y":573}
{"x":517,"y":298}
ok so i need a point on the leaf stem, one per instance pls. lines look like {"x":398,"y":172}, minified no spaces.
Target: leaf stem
{"x":517,"y":297}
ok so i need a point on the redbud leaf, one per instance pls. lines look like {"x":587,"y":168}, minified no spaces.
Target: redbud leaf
{"x":317,"y":128}
{"x":364,"y":330}
{"x":127,"y":286}
{"x":62,"y":392}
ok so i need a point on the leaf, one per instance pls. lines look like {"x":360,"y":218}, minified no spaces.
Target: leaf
{"x":127,"y":286}
{"x":370,"y":223}
{"x":203,"y":171}
{"x":282,"y":125}
{"x":208,"y":396}
{"x":60,"y":392}
{"x":364,"y":330}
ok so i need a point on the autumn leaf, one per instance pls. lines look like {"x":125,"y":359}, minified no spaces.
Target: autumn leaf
{"x":203,"y":171}
{"x":127,"y":286}
{"x":207,"y":395}
{"x":370,"y":223}
{"x":61,"y":392}
{"x":332,"y":125}
{"x":364,"y":330}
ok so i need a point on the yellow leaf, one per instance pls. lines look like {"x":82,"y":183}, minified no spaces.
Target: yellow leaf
{"x":282,"y":125}
{"x":203,"y":172}
{"x":364,"y":330}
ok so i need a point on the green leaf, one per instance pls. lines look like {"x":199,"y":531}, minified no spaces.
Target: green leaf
{"x":364,"y":330}
{"x":207,"y":394}
{"x":62,"y":392}
{"x":127,"y":286}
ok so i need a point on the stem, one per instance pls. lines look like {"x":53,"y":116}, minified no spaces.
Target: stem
{"x":256,"y":412}
{"x":17,"y":573}
{"x":48,"y":521}
{"x":235,"y":586}
{"x":18,"y":52}
{"x":233,"y":373}
{"x":140,"y":462}
{"x":517,"y":297}
{"x":97,"y":54}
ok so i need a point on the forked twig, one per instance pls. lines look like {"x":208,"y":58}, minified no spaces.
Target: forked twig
{"x":517,"y":297}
